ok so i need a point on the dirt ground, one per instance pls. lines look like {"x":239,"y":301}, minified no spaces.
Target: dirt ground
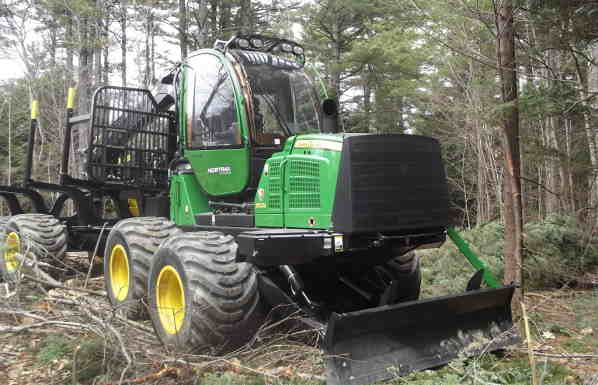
{"x":564,"y":327}
{"x":70,"y":335}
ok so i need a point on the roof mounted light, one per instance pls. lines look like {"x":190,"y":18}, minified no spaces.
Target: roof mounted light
{"x":243,"y":43}
{"x":286,"y":47}
{"x":257,"y":43}
{"x":262,"y":43}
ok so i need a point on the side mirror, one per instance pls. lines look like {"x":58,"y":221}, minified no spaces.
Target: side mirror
{"x":164,"y":96}
{"x":165,"y":101}
{"x":168,"y":79}
{"x":329,"y":110}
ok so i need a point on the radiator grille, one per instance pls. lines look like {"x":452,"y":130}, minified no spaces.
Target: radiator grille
{"x":304,"y":184}
{"x":274,"y":188}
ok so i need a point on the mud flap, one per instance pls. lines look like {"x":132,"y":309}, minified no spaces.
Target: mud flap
{"x":377,"y":344}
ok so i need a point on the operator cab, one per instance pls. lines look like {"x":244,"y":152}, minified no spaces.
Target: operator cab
{"x":283,"y":101}
{"x":240,"y":102}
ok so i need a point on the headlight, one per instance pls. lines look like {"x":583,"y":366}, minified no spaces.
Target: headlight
{"x":298,"y":50}
{"x":286,"y":47}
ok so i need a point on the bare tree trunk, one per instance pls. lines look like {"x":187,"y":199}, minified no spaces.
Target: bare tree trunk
{"x":572,"y":201}
{"x":85,"y":62}
{"x":123,"y":42}
{"x":540,"y":192}
{"x":561,"y":148}
{"x":466,"y":213}
{"x":69,"y":51}
{"x":183,"y":28}
{"x":201,"y":21}
{"x":97,"y":40}
{"x":225,"y":18}
{"x":552,"y":167}
{"x":336,"y":75}
{"x":153,"y":48}
{"x":400,"y":117}
{"x":482,"y":215}
{"x":214,"y":17}
{"x":148,"y":76}
{"x":588,"y":81}
{"x":544,"y":198}
{"x":106,"y":62}
{"x":497,"y":175}
{"x":245,"y":22}
{"x":510,"y":120}
{"x":53,"y":46}
{"x":367,"y":102}
{"x":591,"y":121}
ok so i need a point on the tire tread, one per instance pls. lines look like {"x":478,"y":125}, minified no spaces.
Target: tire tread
{"x":46,"y":232}
{"x":225,"y":296}
{"x":143,"y":235}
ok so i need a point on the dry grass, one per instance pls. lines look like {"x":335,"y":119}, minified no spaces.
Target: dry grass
{"x":64,"y":331}
{"x":54,"y":331}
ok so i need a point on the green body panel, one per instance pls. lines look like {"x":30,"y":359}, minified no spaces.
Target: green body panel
{"x":298,"y":186}
{"x":220,"y":171}
{"x":268,"y":199}
{"x":186,"y":199}
{"x":230,"y":167}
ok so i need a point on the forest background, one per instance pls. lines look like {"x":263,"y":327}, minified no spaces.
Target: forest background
{"x":425,"y":67}
{"x":429,"y":67}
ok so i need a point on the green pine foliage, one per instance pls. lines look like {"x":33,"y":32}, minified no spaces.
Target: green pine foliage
{"x":487,"y":369}
{"x":558,"y":250}
{"x":490,"y":369}
{"x":53,"y":347}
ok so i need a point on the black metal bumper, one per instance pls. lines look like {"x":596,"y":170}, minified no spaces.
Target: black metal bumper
{"x":272,"y":247}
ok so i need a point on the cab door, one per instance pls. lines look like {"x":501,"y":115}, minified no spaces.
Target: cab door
{"x":216,"y":137}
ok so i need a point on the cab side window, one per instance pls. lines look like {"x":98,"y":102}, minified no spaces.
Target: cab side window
{"x":211,"y":104}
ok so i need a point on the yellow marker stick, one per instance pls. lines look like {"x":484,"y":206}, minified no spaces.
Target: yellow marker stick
{"x":70,"y":100}
{"x":34,"y":109}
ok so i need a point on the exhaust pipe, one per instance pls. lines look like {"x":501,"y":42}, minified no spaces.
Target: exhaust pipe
{"x":329,"y":110}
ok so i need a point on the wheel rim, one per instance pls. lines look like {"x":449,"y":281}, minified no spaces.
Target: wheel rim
{"x":12,"y":247}
{"x":119,"y":272}
{"x":170,"y":298}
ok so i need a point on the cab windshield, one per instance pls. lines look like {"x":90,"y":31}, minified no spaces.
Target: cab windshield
{"x":284,"y":99}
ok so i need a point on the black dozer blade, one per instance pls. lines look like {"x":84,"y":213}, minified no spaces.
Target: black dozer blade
{"x":380,"y":343}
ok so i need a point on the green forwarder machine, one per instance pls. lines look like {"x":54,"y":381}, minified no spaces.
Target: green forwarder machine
{"x":237,"y":195}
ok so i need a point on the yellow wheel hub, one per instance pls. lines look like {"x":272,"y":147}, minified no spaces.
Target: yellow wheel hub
{"x":12,"y":247}
{"x":119,"y":272}
{"x":170,"y":298}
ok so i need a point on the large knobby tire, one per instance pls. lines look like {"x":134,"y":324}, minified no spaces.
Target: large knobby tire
{"x":130,"y":247}
{"x":42,"y":236}
{"x":200,"y":297}
{"x":405,"y":269}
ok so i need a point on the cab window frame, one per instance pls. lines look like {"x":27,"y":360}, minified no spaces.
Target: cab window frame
{"x":237,"y":102}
